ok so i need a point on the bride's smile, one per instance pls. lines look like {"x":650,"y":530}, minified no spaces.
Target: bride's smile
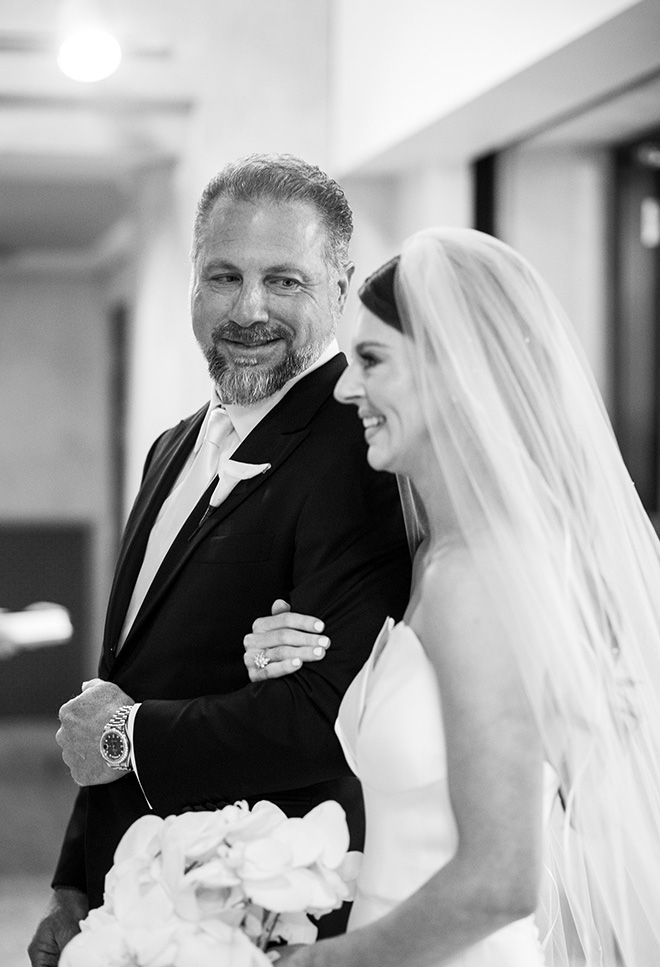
{"x":380,"y":381}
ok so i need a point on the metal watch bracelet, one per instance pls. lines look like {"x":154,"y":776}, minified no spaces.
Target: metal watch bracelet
{"x":115,"y":746}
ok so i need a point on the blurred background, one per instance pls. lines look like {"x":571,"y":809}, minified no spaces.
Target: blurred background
{"x":538,"y":122}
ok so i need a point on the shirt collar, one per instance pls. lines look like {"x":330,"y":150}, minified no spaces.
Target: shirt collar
{"x":245,"y":418}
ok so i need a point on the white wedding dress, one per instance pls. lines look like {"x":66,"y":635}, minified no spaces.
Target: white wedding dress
{"x":390,"y":727}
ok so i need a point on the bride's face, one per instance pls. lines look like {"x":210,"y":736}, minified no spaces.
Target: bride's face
{"x":380,"y":381}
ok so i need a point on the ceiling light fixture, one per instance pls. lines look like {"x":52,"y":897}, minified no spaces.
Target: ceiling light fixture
{"x":89,"y":55}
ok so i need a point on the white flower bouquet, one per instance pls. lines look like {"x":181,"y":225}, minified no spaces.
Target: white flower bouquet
{"x":212,"y":889}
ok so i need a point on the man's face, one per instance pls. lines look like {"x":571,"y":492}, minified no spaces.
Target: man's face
{"x":265,"y":302}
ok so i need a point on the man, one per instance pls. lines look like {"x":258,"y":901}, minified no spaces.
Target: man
{"x":308,"y":522}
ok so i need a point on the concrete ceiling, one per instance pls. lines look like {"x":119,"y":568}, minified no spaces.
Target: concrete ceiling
{"x":581,"y":83}
{"x":48,"y":215}
{"x":627,"y":116}
{"x":69,"y":150}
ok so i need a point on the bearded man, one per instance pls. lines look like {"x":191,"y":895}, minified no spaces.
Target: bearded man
{"x":263,"y":494}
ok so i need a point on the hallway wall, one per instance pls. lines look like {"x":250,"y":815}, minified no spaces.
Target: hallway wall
{"x":54,"y":384}
{"x":396,"y":69}
{"x":553,"y":206}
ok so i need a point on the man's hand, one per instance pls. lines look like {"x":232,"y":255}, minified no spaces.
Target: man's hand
{"x":83,"y":720}
{"x":286,"y":954}
{"x":61,"y":922}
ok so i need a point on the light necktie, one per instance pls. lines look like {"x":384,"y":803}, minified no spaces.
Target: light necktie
{"x":189,"y":488}
{"x":220,"y":438}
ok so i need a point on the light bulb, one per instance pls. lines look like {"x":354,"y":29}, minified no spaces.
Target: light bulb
{"x":89,"y":55}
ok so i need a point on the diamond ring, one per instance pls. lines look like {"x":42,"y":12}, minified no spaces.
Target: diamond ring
{"x":261,"y":659}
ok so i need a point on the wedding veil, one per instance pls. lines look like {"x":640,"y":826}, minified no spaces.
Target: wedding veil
{"x":528,"y":458}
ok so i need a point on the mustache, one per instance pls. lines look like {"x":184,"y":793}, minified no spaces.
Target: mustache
{"x":259,"y":332}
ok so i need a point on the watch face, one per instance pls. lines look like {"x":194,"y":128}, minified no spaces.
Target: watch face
{"x":114,"y":746}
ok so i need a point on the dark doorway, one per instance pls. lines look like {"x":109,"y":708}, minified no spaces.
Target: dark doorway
{"x":636,"y":312}
{"x":44,"y":562}
{"x":484,"y":200}
{"x":118,"y":395}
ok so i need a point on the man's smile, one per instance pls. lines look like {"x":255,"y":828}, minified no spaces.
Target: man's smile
{"x":249,"y":343}
{"x":250,"y":352}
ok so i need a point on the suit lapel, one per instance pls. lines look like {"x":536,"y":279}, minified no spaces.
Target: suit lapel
{"x":280,"y":432}
{"x":163,"y":469}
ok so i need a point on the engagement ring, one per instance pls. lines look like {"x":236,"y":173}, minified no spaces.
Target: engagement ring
{"x":261,"y":659}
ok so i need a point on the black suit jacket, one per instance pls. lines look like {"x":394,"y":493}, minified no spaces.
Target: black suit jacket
{"x":320,"y":529}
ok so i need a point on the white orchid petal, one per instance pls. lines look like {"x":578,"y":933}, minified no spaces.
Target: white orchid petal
{"x":265,"y":817}
{"x":140,"y":840}
{"x":306,"y":841}
{"x":331,"y":818}
{"x":232,"y":949}
{"x":104,"y":947}
{"x":264,"y":858}
{"x":138,"y":906}
{"x":214,"y":873}
{"x":153,"y":947}
{"x":349,"y":869}
{"x":292,"y":891}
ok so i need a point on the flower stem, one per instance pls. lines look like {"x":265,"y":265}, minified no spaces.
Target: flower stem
{"x":267,"y":931}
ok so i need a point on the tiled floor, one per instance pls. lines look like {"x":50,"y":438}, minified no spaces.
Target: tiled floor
{"x":36,"y":794}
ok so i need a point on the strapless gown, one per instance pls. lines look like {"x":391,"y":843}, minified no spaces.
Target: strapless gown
{"x":390,"y":727}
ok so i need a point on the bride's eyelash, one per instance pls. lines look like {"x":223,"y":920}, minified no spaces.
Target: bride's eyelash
{"x":366,"y":358}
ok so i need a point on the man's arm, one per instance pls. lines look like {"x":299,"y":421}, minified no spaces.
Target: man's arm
{"x":351,"y":568}
{"x":69,"y":902}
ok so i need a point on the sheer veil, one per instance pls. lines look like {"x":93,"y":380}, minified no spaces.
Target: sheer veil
{"x":529,"y":461}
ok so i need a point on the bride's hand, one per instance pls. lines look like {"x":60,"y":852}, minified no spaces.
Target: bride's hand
{"x":284,"y":954}
{"x":286,"y":640}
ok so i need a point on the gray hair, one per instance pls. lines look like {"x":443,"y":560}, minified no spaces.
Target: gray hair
{"x":281,"y":178}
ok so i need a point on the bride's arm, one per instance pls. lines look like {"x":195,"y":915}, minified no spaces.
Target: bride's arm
{"x":495,"y":766}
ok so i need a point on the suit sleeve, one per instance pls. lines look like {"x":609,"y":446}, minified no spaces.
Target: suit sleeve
{"x":351,"y":568}
{"x":71,"y":867}
{"x":70,"y":870}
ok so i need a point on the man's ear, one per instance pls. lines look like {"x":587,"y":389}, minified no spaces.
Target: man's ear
{"x":191,"y":286}
{"x":344,"y":283}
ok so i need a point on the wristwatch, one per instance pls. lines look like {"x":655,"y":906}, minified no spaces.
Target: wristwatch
{"x":115,"y":745}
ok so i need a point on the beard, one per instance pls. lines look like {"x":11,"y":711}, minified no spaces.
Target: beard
{"x":246,"y":385}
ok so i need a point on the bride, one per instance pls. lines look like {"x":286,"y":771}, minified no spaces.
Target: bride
{"x":507,"y":731}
